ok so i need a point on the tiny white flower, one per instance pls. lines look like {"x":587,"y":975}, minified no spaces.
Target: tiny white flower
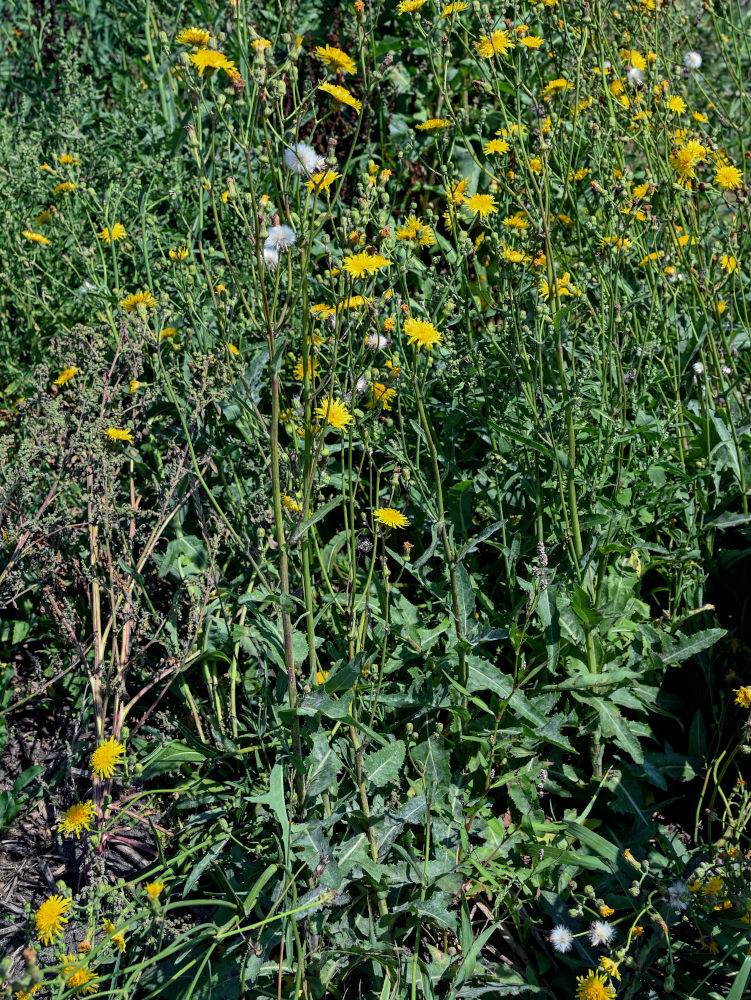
{"x":676,"y":893}
{"x":377,"y":341}
{"x":561,"y":938}
{"x":280,"y":238}
{"x":270,"y":258}
{"x":601,"y":932}
{"x":303,"y":159}
{"x":692,"y":60}
{"x":698,"y":368}
{"x":635,"y":76}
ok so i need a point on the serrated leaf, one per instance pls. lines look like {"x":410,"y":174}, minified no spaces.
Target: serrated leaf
{"x":383,"y":766}
{"x":690,"y":645}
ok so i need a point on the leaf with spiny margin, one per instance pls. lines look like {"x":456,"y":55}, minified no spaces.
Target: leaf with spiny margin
{"x":383,"y":766}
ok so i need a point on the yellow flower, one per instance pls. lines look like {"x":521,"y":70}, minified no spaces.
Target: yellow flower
{"x":180,"y":254}
{"x":634,"y":58}
{"x":118,"y":434}
{"x":342,"y":95}
{"x":45,"y":166}
{"x":498,"y":146}
{"x":117,"y":233}
{"x":108,"y":755}
{"x":64,"y":187}
{"x":197,"y":38}
{"x":291,"y":505}
{"x":28,"y":994}
{"x":699,"y":116}
{"x":564,"y":287}
{"x":334,"y":413}
{"x":136,"y":299}
{"x":728,"y":263}
{"x":676,"y":104}
{"x":432,"y":123}
{"x":743,"y":697}
{"x":336,"y":58}
{"x":50,"y":918}
{"x":619,"y":242}
{"x":220,"y":288}
{"x":233,"y":349}
{"x":555,"y":86}
{"x":518,"y":221}
{"x":77,"y":818}
{"x":610,"y":967}
{"x":43,"y":218}
{"x":450,"y":8}
{"x":135,"y":385}
{"x":299,"y":370}
{"x":728,"y":177}
{"x":481,"y":204}
{"x":686,"y":158}
{"x":594,"y":987}
{"x":381,"y":394}
{"x":535,"y":165}
{"x":421,"y":333}
{"x":322,"y":181}
{"x":499,"y":43}
{"x":531,"y":41}
{"x":606,"y":911}
{"x":212,"y":60}
{"x":77,"y":979}
{"x":67,"y":375}
{"x":637,"y":930}
{"x":390,"y":518}
{"x":116,"y":938}
{"x":168,"y":331}
{"x":67,"y":159}
{"x":154,"y":889}
{"x":34,"y":237}
{"x":361,"y":264}
{"x":353,"y":302}
{"x":410,"y":6}
{"x":258,"y":44}
{"x":417,"y":230}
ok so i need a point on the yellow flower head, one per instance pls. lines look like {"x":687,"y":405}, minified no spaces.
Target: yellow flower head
{"x":531,"y":42}
{"x":743,"y":697}
{"x":78,"y":979}
{"x":259,"y":44}
{"x":197,"y":38}
{"x":50,"y":918}
{"x":77,"y":818}
{"x":390,"y":518}
{"x":342,"y":95}
{"x":361,"y":264}
{"x":381,"y":394}
{"x":676,"y":104}
{"x":322,"y":181}
{"x":336,"y":59}
{"x":290,"y":504}
{"x":64,"y":187}
{"x":556,"y":86}
{"x":432,"y":124}
{"x":34,"y":237}
{"x":136,"y":299}
{"x":153,"y":889}
{"x":499,"y":43}
{"x":410,"y":6}
{"x":454,"y":8}
{"x":67,"y":375}
{"x":610,"y":967}
{"x":518,"y":221}
{"x":565,"y":287}
{"x":299,"y":371}
{"x":212,"y":60}
{"x":498,"y":146}
{"x":179,"y":254}
{"x":481,"y":204}
{"x":728,"y":177}
{"x":108,"y":755}
{"x":416,"y":230}
{"x":67,"y":160}
{"x":116,"y":233}
{"x":728,"y":263}
{"x":421,"y":333}
{"x":118,"y":434}
{"x":593,"y":986}
{"x":334,"y":413}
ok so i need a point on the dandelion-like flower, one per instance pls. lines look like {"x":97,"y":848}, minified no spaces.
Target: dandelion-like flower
{"x":303,"y":159}
{"x":116,"y":233}
{"x":728,"y":263}
{"x":119,"y":434}
{"x":322,"y":180}
{"x":561,"y":938}
{"x":417,"y":231}
{"x":77,"y":818}
{"x":556,"y":86}
{"x":728,"y":177}
{"x":342,"y":95}
{"x":334,"y":413}
{"x":692,"y":60}
{"x":212,"y":59}
{"x":299,"y":370}
{"x":131,"y":302}
{"x":532,"y":42}
{"x":390,"y":518}
{"x":335,"y":58}
{"x":50,"y":918}
{"x":454,"y":7}
{"x":361,"y":264}
{"x":497,"y":146}
{"x":409,"y":6}
{"x":676,"y":104}
{"x":422,"y":333}
{"x":743,"y":697}
{"x":67,"y":160}
{"x":64,"y":377}
{"x":593,"y":986}
{"x":382,"y":395}
{"x":154,"y":889}
{"x":64,"y":187}
{"x":197,"y":38}
{"x":280,"y":238}
{"x":600,"y":932}
{"x":290,"y":504}
{"x":517,"y":221}
{"x":179,"y":254}
{"x":108,"y":755}
{"x":117,"y":938}
{"x":481,"y":204}
{"x":432,"y":124}
{"x":34,"y":237}
{"x":497,"y":44}
{"x":78,"y":979}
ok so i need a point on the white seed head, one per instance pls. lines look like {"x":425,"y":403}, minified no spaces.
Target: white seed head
{"x":280,"y":238}
{"x":377,"y":342}
{"x":635,"y":76}
{"x":561,"y":938}
{"x":676,"y":893}
{"x":303,"y":159}
{"x":698,"y":368}
{"x":601,"y":932}
{"x":362,"y":385}
{"x":270,"y":259}
{"x":692,"y":60}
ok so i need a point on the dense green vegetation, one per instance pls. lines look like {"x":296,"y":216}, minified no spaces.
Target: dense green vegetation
{"x":374,"y":475}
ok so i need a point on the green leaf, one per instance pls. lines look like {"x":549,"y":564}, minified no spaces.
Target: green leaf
{"x":383,"y":766}
{"x":689,"y":645}
{"x":466,"y":599}
{"x":615,"y":726}
{"x":737,"y":990}
{"x":324,"y":766}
